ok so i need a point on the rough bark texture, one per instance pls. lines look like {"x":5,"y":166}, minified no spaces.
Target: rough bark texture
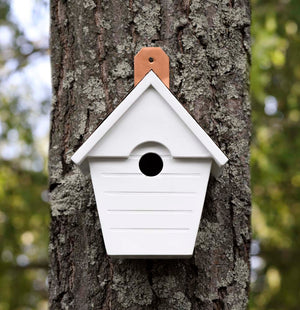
{"x":93,"y":43}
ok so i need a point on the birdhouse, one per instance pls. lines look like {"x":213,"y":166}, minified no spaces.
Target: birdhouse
{"x":150,"y":163}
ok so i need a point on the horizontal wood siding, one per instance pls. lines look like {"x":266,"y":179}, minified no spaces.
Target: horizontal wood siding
{"x":135,"y":209}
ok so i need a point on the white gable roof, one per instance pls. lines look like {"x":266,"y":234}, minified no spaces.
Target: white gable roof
{"x":150,"y":113}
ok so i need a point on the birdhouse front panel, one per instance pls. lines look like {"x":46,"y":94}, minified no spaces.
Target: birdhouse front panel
{"x":150,"y":209}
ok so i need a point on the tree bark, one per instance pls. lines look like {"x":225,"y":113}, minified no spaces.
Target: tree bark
{"x":93,"y":44}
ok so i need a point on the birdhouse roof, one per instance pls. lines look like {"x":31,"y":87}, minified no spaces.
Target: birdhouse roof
{"x":168,"y":123}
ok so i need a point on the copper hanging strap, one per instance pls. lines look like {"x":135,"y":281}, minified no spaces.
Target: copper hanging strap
{"x":151,"y":58}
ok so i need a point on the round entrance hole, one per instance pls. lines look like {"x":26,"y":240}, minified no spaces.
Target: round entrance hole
{"x":151,"y":164}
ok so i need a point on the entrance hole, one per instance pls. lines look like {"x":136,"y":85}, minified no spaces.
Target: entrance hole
{"x":151,"y":164}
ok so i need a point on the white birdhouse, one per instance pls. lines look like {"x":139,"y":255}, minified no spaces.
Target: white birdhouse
{"x":150,"y":163}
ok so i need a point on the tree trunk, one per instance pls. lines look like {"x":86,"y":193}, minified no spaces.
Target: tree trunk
{"x":93,"y":44}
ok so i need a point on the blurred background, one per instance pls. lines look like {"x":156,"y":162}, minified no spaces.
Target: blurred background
{"x":24,"y":124}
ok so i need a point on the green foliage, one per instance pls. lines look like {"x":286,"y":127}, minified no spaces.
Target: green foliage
{"x":24,"y":234}
{"x":275,"y":151}
{"x":24,"y":212}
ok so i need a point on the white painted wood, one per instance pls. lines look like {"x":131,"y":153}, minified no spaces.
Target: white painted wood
{"x":149,"y":216}
{"x":150,"y":113}
{"x":143,"y":216}
{"x":150,"y":119}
